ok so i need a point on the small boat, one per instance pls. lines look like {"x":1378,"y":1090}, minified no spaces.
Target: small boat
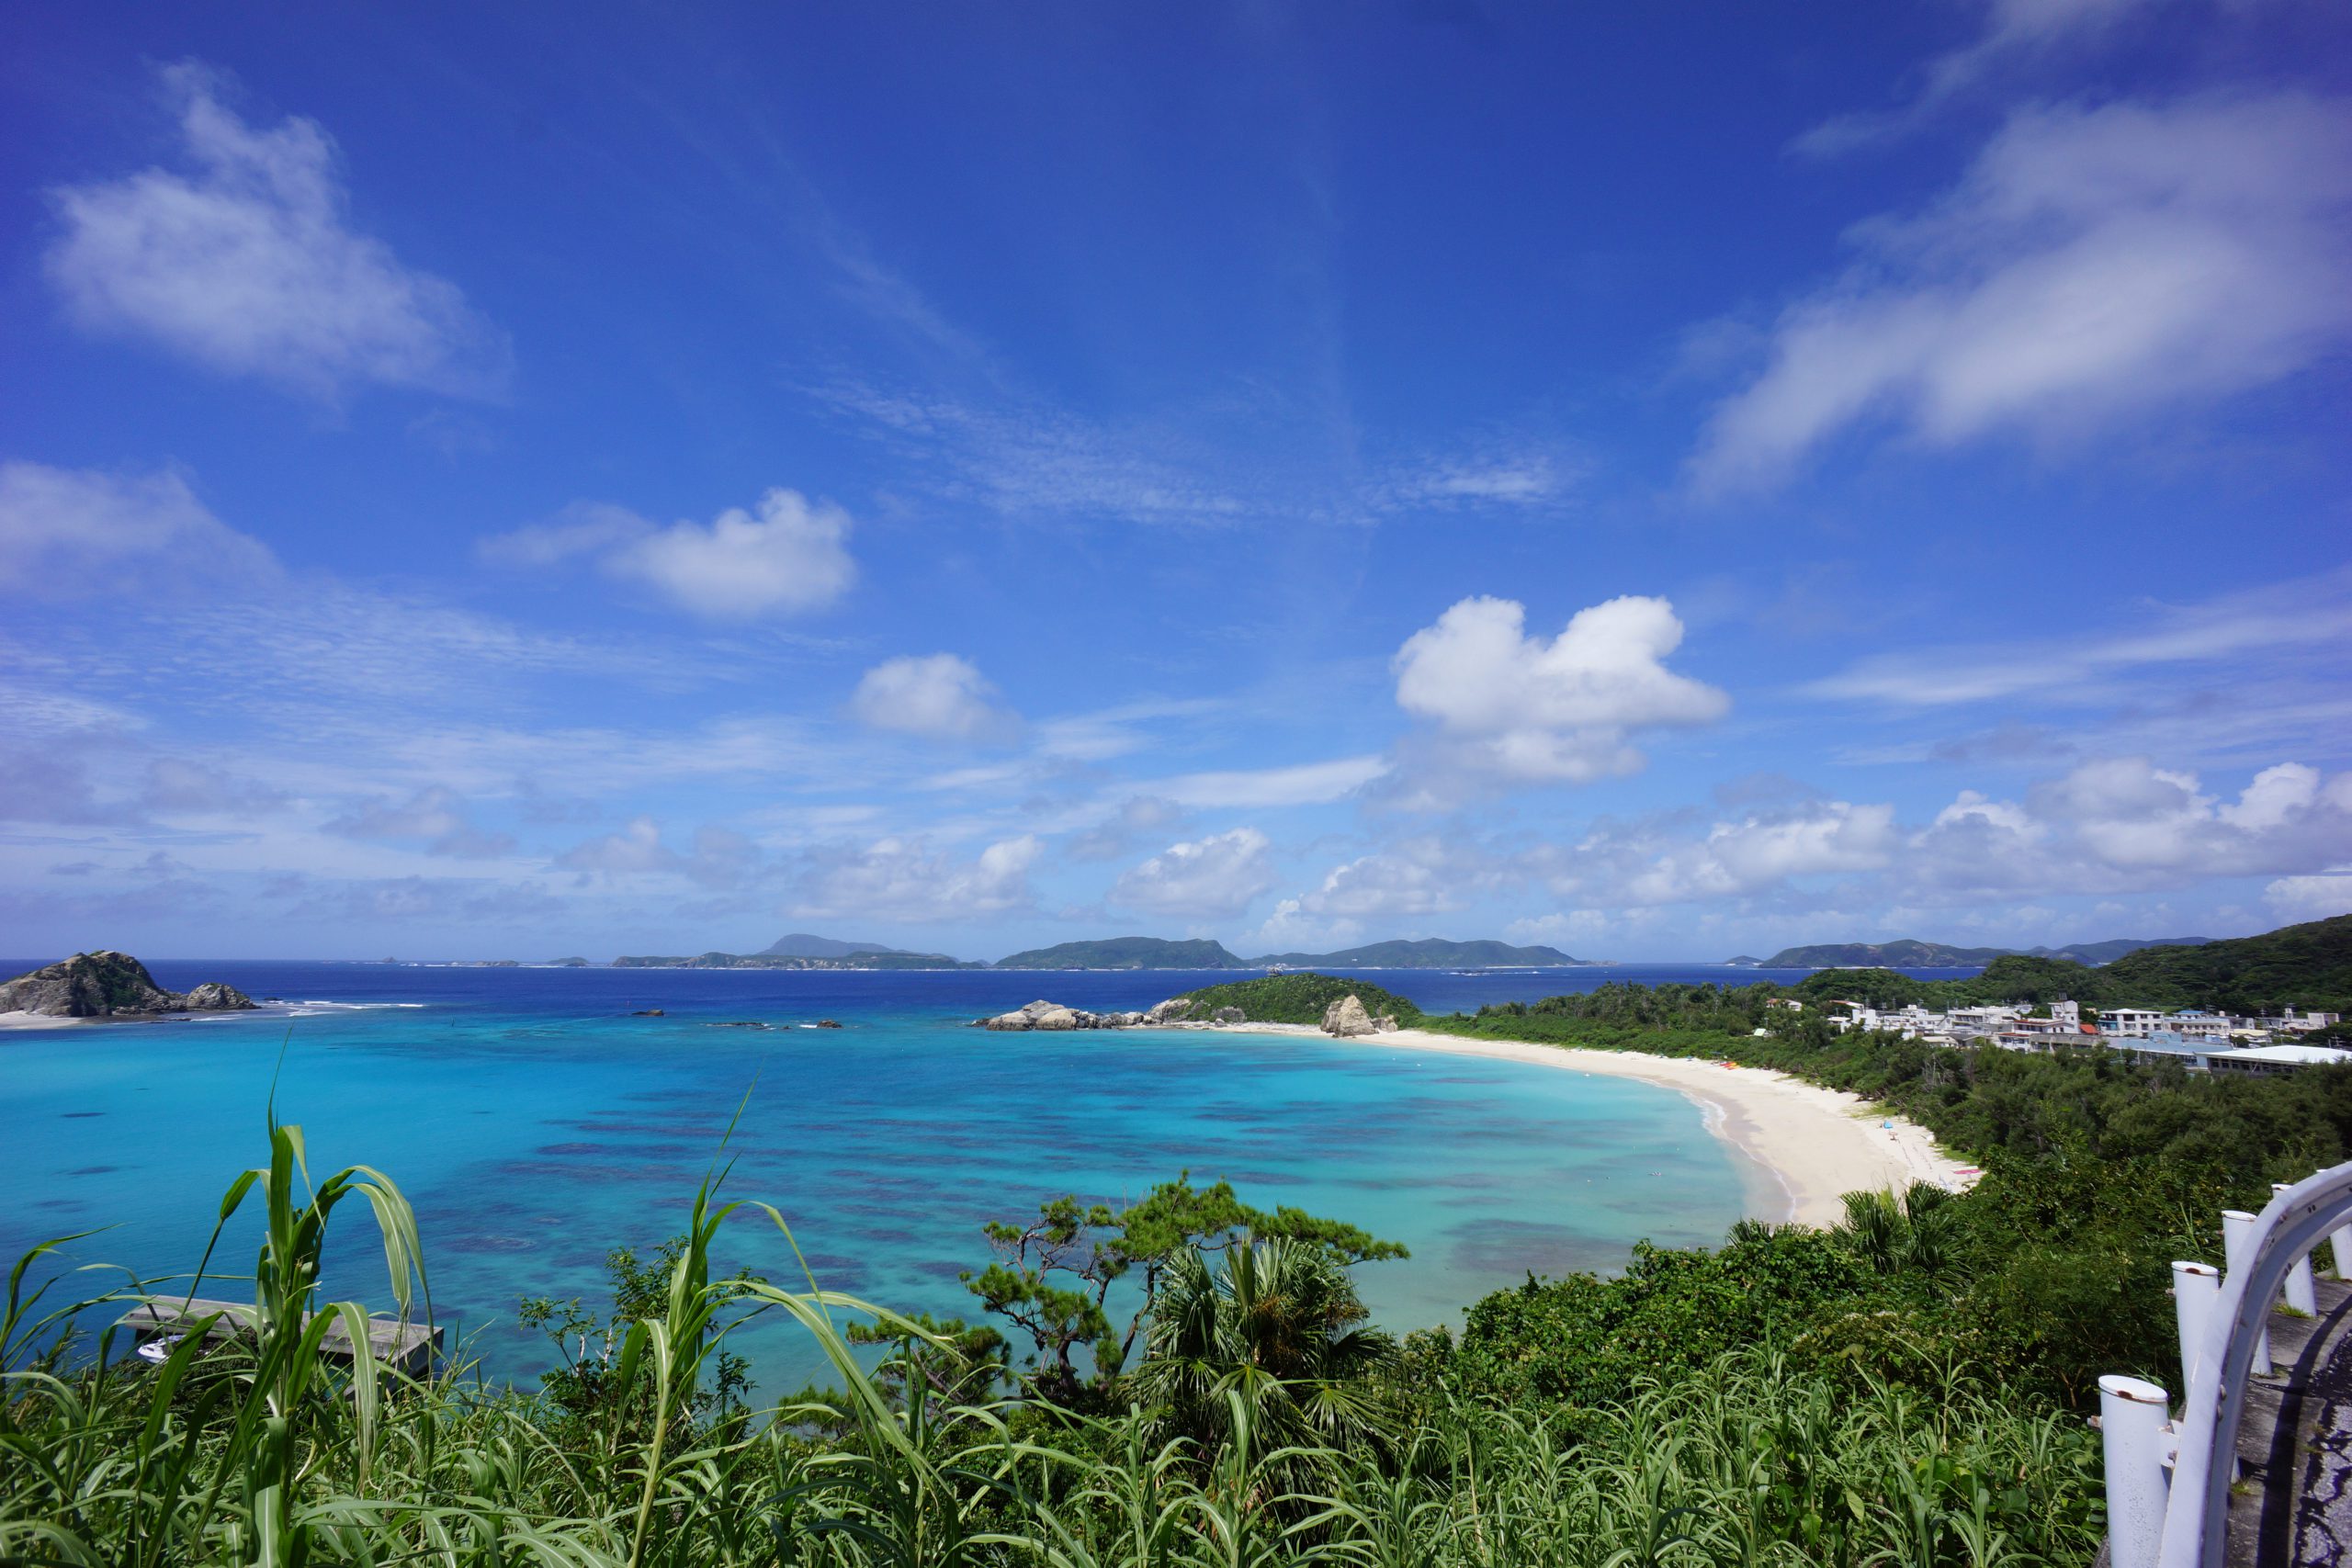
{"x":158,"y":1351}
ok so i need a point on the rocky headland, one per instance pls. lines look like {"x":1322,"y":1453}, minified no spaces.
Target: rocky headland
{"x":1344,"y":1018}
{"x":111,"y":985}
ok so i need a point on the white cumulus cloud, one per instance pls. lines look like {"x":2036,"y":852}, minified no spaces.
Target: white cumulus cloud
{"x":901,"y":879}
{"x":2093,"y":263}
{"x":2317,"y":897}
{"x":1524,"y":709}
{"x":937,"y":697}
{"x":785,"y":554}
{"x":1215,"y":876}
{"x":246,"y":261}
{"x":1765,"y":851}
{"x":1412,"y":878}
{"x":2124,"y":824}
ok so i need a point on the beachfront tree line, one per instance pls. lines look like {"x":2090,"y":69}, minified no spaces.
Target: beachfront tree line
{"x":1191,"y":1380}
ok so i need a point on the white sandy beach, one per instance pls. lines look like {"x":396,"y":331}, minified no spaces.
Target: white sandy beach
{"x":1821,"y":1143}
{"x":39,"y":1020}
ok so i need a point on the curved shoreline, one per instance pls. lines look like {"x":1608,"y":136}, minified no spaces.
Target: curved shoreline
{"x":1818,"y":1144}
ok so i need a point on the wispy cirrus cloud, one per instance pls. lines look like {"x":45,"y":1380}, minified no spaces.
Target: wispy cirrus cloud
{"x":246,"y":262}
{"x":1299,"y":784}
{"x":2313,"y":617}
{"x":1504,"y":476}
{"x":2014,"y":33}
{"x":75,"y":533}
{"x":2093,"y":265}
{"x":1029,"y":459}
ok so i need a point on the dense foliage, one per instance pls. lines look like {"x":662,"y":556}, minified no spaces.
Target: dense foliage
{"x":1267,"y":1423}
{"x":1298,"y":998}
{"x":2308,"y":965}
{"x":1896,"y":1389}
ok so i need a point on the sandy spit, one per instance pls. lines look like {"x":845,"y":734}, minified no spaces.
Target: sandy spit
{"x":1821,"y":1143}
{"x":39,"y":1021}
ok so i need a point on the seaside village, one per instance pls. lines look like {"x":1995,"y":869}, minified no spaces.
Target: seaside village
{"x":2205,"y":1042}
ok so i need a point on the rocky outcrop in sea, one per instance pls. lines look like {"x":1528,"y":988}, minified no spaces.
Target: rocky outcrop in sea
{"x":111,"y":985}
{"x":1045,"y":1016}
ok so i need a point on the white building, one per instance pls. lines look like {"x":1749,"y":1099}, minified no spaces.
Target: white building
{"x":2130,"y":1023}
{"x":2265,"y":1060}
{"x":2297,"y":1021}
{"x":1987,"y":1020}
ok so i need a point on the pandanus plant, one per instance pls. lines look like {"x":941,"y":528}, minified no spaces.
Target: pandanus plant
{"x":1276,"y":1331}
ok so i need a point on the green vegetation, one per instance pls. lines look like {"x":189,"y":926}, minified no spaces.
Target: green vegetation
{"x":1193,"y":1381}
{"x":1298,"y":998}
{"x":2307,"y":965}
{"x":1126,"y":952}
{"x":1910,"y":954}
{"x":1265,"y":1423}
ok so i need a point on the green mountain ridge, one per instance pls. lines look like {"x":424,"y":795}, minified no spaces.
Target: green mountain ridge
{"x":2307,"y":965}
{"x":1126,"y":953}
{"x":802,"y":945}
{"x":1908,"y":953}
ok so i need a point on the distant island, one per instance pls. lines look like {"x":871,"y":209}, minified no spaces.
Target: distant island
{"x":801,"y":944}
{"x":1910,"y":954}
{"x":1127,"y":952}
{"x":1430,"y":953}
{"x":1158,"y":953}
{"x":860,"y":958}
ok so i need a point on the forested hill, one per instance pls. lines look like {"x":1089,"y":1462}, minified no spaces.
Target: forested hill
{"x":801,"y":944}
{"x":1909,"y":955}
{"x":2308,"y":965}
{"x":1126,"y":952}
{"x":2304,"y":967}
{"x":1429,"y":953}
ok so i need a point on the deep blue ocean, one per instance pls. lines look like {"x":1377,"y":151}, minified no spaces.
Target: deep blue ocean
{"x":535,"y":1123}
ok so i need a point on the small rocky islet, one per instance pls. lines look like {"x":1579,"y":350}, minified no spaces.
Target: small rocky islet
{"x":111,"y":985}
{"x":1345,"y":1017}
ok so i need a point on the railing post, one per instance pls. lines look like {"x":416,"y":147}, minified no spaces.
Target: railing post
{"x":2303,"y":1293}
{"x":2340,"y":1238}
{"x":2196,"y":1292}
{"x":2131,"y":1436}
{"x":2237,"y":1236}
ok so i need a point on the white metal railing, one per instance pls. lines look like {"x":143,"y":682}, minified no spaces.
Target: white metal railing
{"x":2223,"y":1337}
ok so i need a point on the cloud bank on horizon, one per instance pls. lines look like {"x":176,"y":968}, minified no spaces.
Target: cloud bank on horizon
{"x":469,"y":523}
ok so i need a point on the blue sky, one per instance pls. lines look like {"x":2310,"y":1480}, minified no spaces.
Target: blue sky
{"x":588,"y":480}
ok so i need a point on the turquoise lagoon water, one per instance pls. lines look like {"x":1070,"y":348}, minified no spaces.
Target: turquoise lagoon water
{"x":534,"y":1124}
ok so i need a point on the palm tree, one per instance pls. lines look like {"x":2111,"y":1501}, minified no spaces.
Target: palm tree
{"x":1917,"y":1231}
{"x":1279,"y":1326}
